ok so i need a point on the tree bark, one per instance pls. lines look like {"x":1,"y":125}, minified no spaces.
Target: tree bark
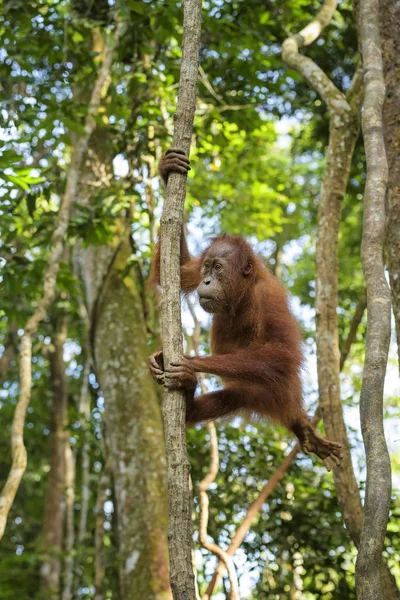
{"x":8,"y":355}
{"x":52,"y":538}
{"x":389,"y":14}
{"x":18,"y":450}
{"x":174,"y":409}
{"x":343,"y":134}
{"x":378,"y":486}
{"x":100,"y":566}
{"x":68,"y":567}
{"x":133,"y":428}
{"x":84,"y":411}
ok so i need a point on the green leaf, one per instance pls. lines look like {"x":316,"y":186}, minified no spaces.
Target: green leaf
{"x":19,"y":181}
{"x":31,"y":204}
{"x":77,"y":37}
{"x":138,"y":7}
{"x":265,"y":18}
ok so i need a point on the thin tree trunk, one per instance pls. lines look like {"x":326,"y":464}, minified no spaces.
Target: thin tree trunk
{"x":68,"y":567}
{"x":100,"y":562}
{"x":9,"y":351}
{"x":344,"y":110}
{"x":389,"y":13}
{"x":343,"y":132}
{"x":378,"y":486}
{"x":52,"y":538}
{"x":18,"y":450}
{"x":84,"y":411}
{"x":355,"y":322}
{"x":174,"y":409}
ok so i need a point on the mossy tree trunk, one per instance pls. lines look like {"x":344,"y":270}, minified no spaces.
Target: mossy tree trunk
{"x":133,"y":426}
{"x":133,"y":423}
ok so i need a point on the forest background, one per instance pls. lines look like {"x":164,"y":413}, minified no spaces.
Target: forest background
{"x":89,"y":519}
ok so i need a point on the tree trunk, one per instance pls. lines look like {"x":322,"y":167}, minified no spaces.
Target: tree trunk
{"x":100,"y":562}
{"x":174,"y":407}
{"x":343,"y":132}
{"x":132,"y":416}
{"x":340,"y":151}
{"x":52,"y":538}
{"x":84,"y":411}
{"x":390,"y":26}
{"x":378,"y":486}
{"x":68,"y":567}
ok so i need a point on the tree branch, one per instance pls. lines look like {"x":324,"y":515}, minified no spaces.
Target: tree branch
{"x":204,"y":502}
{"x":354,"y":325}
{"x":315,"y":76}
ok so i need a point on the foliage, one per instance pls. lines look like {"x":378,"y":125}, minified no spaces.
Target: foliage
{"x":260,"y":137}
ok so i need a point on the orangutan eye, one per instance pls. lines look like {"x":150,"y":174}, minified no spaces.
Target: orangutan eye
{"x":218,"y":267}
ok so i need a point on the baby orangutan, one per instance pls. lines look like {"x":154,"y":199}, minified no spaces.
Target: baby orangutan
{"x":255,"y":340}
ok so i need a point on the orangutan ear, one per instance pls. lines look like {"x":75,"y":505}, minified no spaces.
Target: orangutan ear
{"x":248,"y":268}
